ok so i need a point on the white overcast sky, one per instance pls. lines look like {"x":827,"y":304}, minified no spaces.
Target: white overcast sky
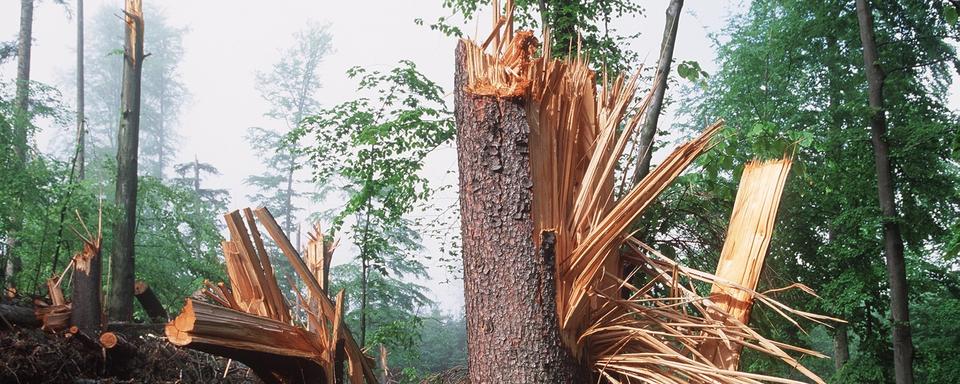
{"x":228,"y":41}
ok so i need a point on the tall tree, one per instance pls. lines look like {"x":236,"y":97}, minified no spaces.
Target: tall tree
{"x":78,"y":162}
{"x":87,"y":283}
{"x":128,"y":138}
{"x":21,"y":126}
{"x":892,"y":239}
{"x":652,"y":115}
{"x":290,"y":87}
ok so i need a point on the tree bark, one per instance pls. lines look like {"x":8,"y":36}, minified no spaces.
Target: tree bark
{"x":512,"y":326}
{"x":20,"y":129}
{"x":652,"y":114}
{"x":892,"y":239}
{"x":80,"y":159}
{"x":86,"y":290}
{"x":122,"y":260}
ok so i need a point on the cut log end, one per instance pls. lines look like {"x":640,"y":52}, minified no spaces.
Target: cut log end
{"x":177,"y":331}
{"x":109,"y":340}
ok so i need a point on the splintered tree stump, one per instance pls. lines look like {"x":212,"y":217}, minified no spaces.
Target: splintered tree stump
{"x":150,"y":303}
{"x":512,"y":324}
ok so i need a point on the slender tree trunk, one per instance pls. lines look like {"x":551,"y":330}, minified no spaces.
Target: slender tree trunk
{"x":24,"y":47}
{"x":21,"y":127}
{"x":652,"y":115}
{"x":364,"y":267}
{"x":841,"y":347}
{"x":512,"y":327}
{"x":892,"y":240}
{"x":81,"y":134}
{"x":122,"y":261}
{"x":162,"y":134}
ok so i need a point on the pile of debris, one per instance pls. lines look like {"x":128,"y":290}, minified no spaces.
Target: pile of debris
{"x":249,"y":320}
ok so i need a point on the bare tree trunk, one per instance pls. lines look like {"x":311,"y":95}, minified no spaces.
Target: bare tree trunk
{"x":79,"y":160}
{"x":512,"y":327}
{"x":652,"y":117}
{"x":892,"y":240}
{"x":841,"y":347}
{"x":24,"y":46}
{"x":162,"y":134}
{"x":20,"y":129}
{"x":122,"y":261}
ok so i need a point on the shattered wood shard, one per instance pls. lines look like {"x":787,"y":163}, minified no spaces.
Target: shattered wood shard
{"x":550,"y":270}
{"x":252,"y":323}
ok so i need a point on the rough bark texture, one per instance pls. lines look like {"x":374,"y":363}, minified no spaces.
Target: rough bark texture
{"x":512,"y":326}
{"x":892,"y":239}
{"x":652,"y":115}
{"x":87,"y":307}
{"x":128,"y":138}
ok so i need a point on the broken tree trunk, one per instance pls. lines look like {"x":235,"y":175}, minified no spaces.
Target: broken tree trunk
{"x":86,"y":287}
{"x":128,"y":139}
{"x":253,"y":323}
{"x":741,"y":260}
{"x":201,"y":324}
{"x":512,"y":326}
{"x":150,"y":303}
{"x":56,"y":316}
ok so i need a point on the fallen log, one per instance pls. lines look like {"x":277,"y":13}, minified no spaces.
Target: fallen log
{"x":115,"y":343}
{"x":271,"y":348}
{"x":150,"y":303}
{"x":20,"y":316}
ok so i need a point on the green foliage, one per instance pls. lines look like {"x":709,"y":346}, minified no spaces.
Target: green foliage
{"x":373,"y":149}
{"x":290,"y":87}
{"x":791,"y":80}
{"x":573,"y":24}
{"x":178,"y":241}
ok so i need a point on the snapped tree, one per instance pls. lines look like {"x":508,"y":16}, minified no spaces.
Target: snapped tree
{"x":128,"y":137}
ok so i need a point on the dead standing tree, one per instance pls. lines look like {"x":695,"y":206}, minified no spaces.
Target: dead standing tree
{"x":122,"y":261}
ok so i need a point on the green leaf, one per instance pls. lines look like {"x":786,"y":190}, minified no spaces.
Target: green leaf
{"x":950,"y":14}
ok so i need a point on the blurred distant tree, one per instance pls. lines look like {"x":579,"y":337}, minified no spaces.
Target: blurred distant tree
{"x":162,"y":97}
{"x":290,"y":87}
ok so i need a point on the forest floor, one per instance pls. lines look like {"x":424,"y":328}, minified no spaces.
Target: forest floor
{"x":36,"y":356}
